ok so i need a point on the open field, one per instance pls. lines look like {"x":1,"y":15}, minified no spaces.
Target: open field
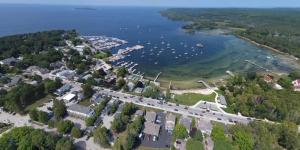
{"x":39,"y":102}
{"x":192,"y":98}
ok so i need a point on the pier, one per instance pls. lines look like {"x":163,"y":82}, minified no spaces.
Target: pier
{"x":157,"y":76}
{"x":259,"y":66}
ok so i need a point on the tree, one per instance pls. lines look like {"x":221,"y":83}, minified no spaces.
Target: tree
{"x":130,"y":143}
{"x":43,"y":117}
{"x":76,"y":132}
{"x":59,"y":109}
{"x":102,"y":136}
{"x":65,"y":126}
{"x":87,"y":90}
{"x":33,"y":114}
{"x":198,"y":135}
{"x":180,"y":132}
{"x":120,"y":83}
{"x":121,"y":72}
{"x":64,"y":144}
{"x":90,"y":120}
{"x":51,"y":86}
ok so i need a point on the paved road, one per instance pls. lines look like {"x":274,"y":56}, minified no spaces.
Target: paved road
{"x":180,"y":109}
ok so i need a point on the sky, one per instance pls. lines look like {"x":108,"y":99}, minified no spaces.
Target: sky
{"x":167,"y":3}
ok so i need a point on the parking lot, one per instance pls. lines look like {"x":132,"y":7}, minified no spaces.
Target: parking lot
{"x":164,"y":139}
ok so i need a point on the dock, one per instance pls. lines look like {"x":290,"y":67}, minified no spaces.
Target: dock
{"x":259,"y":66}
{"x":157,"y":76}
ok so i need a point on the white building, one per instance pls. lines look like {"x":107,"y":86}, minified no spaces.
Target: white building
{"x":80,"y":111}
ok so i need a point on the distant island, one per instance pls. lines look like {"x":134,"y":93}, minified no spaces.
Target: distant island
{"x":275,"y":29}
{"x":85,"y":8}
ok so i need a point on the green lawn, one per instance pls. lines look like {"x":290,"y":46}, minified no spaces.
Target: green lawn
{"x":192,"y":98}
{"x":39,"y":103}
{"x":85,"y":102}
{"x":193,"y":144}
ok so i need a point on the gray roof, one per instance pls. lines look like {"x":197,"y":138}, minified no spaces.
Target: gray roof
{"x":139,"y":113}
{"x":150,"y":116}
{"x":80,"y":108}
{"x":151,"y":128}
{"x":187,"y":122}
{"x":222,"y":100}
{"x":170,"y":117}
{"x":8,"y":61}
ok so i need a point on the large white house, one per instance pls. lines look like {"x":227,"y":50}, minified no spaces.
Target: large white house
{"x":80,"y":111}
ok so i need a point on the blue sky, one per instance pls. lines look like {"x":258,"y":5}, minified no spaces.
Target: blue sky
{"x":170,"y":3}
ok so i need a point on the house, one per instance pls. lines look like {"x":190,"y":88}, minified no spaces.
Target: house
{"x":205,"y":126}
{"x":61,"y":91}
{"x":222,"y":100}
{"x":296,"y":84}
{"x":151,"y":129}
{"x":139,"y":113}
{"x":97,"y":98}
{"x":69,"y":97}
{"x":186,"y":122}
{"x":37,"y":70}
{"x":131,"y":86}
{"x":14,"y":81}
{"x":80,"y":111}
{"x":170,"y":122}
{"x":138,"y":90}
{"x":66,"y":74}
{"x":9,"y":61}
{"x":57,"y":65}
{"x":150,"y":116}
{"x":268,"y":78}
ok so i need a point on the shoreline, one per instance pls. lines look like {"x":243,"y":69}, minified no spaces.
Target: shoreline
{"x":266,"y":47}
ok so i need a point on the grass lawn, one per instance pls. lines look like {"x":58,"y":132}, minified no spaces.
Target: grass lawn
{"x":85,"y":102}
{"x":193,"y":144}
{"x":39,"y":103}
{"x":192,"y":98}
{"x":148,"y":148}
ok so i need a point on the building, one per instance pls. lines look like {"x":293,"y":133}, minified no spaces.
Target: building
{"x":9,"y":61}
{"x":186,"y":122}
{"x":296,"y":84}
{"x":268,"y":78}
{"x":69,"y":97}
{"x":138,"y":90}
{"x":97,"y":98}
{"x":14,"y":81}
{"x":222,"y":100}
{"x":66,"y":74}
{"x":151,"y":129}
{"x":150,"y":116}
{"x":65,"y":88}
{"x":139,"y":113}
{"x":170,"y":122}
{"x":205,"y":126}
{"x":80,"y":111}
{"x":37,"y":70}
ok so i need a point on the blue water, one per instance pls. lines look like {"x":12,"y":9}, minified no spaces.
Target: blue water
{"x":146,"y":25}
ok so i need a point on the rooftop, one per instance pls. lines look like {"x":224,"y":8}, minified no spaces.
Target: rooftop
{"x":150,"y":116}
{"x":80,"y":109}
{"x":151,"y":128}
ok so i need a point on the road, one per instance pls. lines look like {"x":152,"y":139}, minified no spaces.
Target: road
{"x":180,"y":109}
{"x":197,"y":112}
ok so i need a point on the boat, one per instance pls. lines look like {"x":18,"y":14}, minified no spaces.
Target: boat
{"x":200,"y":45}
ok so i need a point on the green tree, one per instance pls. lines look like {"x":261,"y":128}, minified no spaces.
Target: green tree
{"x":87,"y":90}
{"x":90,"y":121}
{"x":198,"y":135}
{"x":65,"y":126}
{"x":51,"y":86}
{"x":121,"y":72}
{"x":64,"y":144}
{"x":33,"y":114}
{"x":43,"y":117}
{"x":120,"y":83}
{"x":76,"y":132}
{"x":59,"y":109}
{"x":180,"y":132}
{"x":102,"y":136}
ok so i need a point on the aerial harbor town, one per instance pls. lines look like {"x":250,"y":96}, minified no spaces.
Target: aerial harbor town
{"x":65,"y":90}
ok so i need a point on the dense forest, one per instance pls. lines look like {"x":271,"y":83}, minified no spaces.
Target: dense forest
{"x":256,"y":135}
{"x":36,"y":48}
{"x":277,"y":28}
{"x":29,"y":138}
{"x":252,"y":96}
